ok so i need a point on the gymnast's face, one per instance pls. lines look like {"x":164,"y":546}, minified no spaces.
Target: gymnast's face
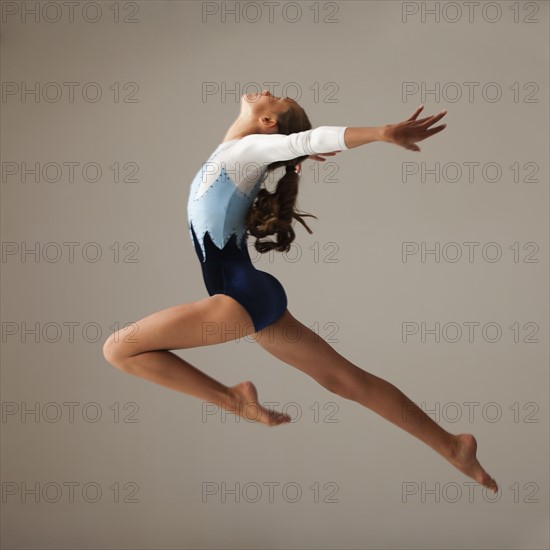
{"x":264,"y":108}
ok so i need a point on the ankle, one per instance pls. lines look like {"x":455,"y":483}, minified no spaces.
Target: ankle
{"x":451,"y":451}
{"x":224,"y":399}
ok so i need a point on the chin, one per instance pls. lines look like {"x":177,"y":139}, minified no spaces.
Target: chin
{"x":254,"y":97}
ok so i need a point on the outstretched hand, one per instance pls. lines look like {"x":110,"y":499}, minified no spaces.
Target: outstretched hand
{"x":322,"y":155}
{"x":320,"y":158}
{"x":408,"y":132}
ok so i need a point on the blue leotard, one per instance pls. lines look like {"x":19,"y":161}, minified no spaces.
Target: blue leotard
{"x":220,"y":196}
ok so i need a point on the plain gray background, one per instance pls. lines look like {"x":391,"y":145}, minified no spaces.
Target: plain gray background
{"x":159,"y":450}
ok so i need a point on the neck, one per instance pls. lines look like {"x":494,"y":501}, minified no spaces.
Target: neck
{"x":246,"y":126}
{"x":240,"y":128}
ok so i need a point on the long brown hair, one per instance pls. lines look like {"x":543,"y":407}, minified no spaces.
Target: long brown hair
{"x":272,"y":213}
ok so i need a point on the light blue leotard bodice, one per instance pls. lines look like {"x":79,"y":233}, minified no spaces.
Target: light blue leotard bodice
{"x":227,"y":184}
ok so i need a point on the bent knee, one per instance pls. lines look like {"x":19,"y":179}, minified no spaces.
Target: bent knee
{"x":114,"y":353}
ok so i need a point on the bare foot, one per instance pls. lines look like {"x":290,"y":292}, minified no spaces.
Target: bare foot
{"x":245,"y":403}
{"x":463,"y":457}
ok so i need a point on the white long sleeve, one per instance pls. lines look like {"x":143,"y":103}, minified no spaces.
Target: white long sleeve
{"x":268,"y":148}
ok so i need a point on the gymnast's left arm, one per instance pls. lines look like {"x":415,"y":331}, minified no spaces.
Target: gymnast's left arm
{"x":405,"y":134}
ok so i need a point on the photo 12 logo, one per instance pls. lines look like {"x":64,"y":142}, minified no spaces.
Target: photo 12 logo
{"x":51,"y":12}
{"x":270,"y":12}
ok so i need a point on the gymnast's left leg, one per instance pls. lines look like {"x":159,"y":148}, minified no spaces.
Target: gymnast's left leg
{"x":297,"y":345}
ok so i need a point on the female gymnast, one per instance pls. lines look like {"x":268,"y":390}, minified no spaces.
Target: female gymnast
{"x":225,"y":205}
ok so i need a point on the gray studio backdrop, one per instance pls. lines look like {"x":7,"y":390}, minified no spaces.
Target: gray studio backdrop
{"x":428,"y":269}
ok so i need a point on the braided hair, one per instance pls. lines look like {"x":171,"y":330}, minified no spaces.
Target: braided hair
{"x":273,"y":213}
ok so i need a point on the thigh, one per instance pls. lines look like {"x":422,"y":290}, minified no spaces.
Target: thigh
{"x":212,"y":320}
{"x":297,"y":345}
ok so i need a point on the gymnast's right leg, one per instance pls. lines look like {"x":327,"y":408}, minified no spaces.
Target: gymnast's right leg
{"x":142,"y":349}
